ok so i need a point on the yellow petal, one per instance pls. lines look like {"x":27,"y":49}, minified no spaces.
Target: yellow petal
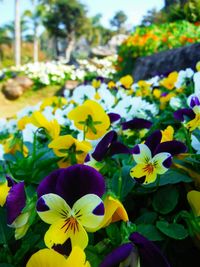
{"x":4,"y":189}
{"x":167,"y":134}
{"x":58,"y":208}
{"x":83,"y":209}
{"x":21,"y":231}
{"x":77,"y":258}
{"x":193,"y":198}
{"x":60,"y":231}
{"x":114,"y":211}
{"x":47,"y":258}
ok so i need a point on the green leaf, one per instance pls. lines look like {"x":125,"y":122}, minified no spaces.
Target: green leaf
{"x":174,"y":230}
{"x":150,"y":231}
{"x":165,"y":199}
{"x":92,"y":256}
{"x":114,"y":234}
{"x":147,"y":217}
{"x":127,"y":182}
{"x":5,"y":232}
{"x":174,"y":177}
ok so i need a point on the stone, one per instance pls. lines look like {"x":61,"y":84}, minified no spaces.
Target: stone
{"x":167,"y":61}
{"x":12,"y":90}
{"x":24,"y":82}
{"x":71,"y":84}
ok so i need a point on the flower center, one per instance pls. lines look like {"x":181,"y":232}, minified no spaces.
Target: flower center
{"x":149,"y":168}
{"x":71,"y":224}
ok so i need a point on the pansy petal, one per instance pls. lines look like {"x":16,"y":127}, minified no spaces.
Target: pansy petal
{"x":77,"y":258}
{"x":141,"y":153}
{"x":15,"y":202}
{"x":179,"y":114}
{"x":159,"y":161}
{"x":102,"y":147}
{"x":150,"y":254}
{"x":84,"y":210}
{"x":73,"y":182}
{"x":117,"y":256}
{"x":138,"y":171}
{"x":114,"y":117}
{"x":193,"y":198}
{"x":136,"y":123}
{"x":153,"y":140}
{"x":79,"y":180}
{"x":60,"y":231}
{"x":114,"y":211}
{"x":119,"y":148}
{"x":173,"y":147}
{"x":52,"y":208}
{"x":46,"y":257}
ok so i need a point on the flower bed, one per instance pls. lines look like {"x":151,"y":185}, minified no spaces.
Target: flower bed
{"x":146,"y":41}
{"x":108,"y":174}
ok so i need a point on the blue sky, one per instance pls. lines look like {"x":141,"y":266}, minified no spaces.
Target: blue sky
{"x":134,"y":9}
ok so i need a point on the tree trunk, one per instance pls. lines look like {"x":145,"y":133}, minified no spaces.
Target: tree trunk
{"x":70,"y":46}
{"x":17,"y":35}
{"x":36,"y":43}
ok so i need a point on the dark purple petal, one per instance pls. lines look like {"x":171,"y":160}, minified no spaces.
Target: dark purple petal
{"x":173,"y":147}
{"x":153,"y":141}
{"x":167,"y":163}
{"x":99,"y":210}
{"x":119,"y":148}
{"x":15,"y":202}
{"x":194,"y":102}
{"x":72,"y":183}
{"x":117,"y":256}
{"x":41,"y":205}
{"x":136,"y":123}
{"x":10,"y":181}
{"x":136,"y":150}
{"x":102,"y":147}
{"x":48,"y":184}
{"x":164,"y":94}
{"x":150,"y":254}
{"x":179,"y":114}
{"x":114,"y":117}
{"x":87,"y":158}
{"x":64,"y":249}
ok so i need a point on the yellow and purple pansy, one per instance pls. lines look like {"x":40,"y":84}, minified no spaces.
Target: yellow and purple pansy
{"x":70,"y":201}
{"x":193,"y":113}
{"x":153,"y":158}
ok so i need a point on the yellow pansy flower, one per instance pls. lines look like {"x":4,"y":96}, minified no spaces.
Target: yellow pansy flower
{"x":167,"y":134}
{"x":13,"y":144}
{"x":194,"y":123}
{"x":145,"y":88}
{"x":70,"y":149}
{"x":198,"y":66}
{"x":22,"y":122}
{"x":126,"y":81}
{"x":157,"y":93}
{"x":111,"y":85}
{"x":54,"y":101}
{"x":96,"y":83}
{"x":91,"y":119}
{"x":4,"y":189}
{"x":52,"y":127}
{"x":114,"y":211}
{"x":170,"y":81}
{"x":50,"y":258}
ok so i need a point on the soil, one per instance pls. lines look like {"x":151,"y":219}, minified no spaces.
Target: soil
{"x":8,"y":108}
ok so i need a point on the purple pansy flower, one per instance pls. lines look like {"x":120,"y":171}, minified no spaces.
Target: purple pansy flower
{"x":138,"y":250}
{"x":109,"y":146}
{"x":136,"y":123}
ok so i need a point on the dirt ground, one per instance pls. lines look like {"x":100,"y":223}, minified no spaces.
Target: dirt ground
{"x":8,"y":108}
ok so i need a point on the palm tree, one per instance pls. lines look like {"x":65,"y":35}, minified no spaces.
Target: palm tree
{"x":17,"y":34}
